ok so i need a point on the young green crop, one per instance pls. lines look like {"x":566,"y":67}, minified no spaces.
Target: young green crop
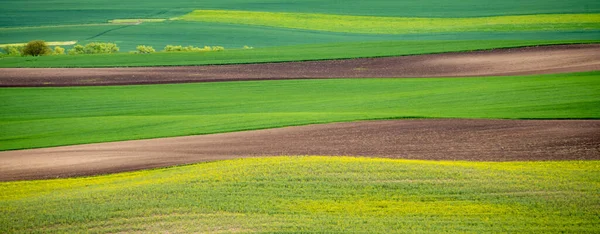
{"x":399,"y":25}
{"x":42,"y":117}
{"x":315,"y":194}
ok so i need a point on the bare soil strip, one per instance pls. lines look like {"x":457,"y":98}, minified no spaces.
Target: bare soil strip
{"x":500,"y":62}
{"x":433,"y":139}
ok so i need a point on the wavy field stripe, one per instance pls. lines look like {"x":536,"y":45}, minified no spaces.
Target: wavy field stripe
{"x":399,"y":25}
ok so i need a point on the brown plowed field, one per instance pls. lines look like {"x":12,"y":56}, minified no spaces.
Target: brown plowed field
{"x":518,"y":61}
{"x":434,"y":139}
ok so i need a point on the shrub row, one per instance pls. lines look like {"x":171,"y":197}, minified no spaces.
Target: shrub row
{"x":172,"y":48}
{"x":37,"y":48}
{"x":95,"y":48}
{"x":33,"y":48}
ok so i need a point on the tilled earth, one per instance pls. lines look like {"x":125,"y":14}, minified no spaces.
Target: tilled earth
{"x":437,"y":139}
{"x":430,"y":139}
{"x":517,"y":61}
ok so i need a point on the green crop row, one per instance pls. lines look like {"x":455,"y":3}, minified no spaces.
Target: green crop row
{"x":43,"y":117}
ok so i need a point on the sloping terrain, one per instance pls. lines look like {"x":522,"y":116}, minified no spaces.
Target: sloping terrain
{"x":442,"y":139}
{"x":516,"y":61}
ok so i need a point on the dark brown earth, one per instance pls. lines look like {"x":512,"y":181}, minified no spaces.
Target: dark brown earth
{"x":499,"y":62}
{"x":437,"y":139}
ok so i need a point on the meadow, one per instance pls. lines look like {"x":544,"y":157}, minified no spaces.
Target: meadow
{"x":342,"y":50}
{"x":314,"y":194}
{"x":43,"y":117}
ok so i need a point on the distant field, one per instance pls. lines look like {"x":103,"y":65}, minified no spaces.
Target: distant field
{"x":231,"y":36}
{"x":43,"y":117}
{"x":276,"y":54}
{"x":225,"y":23}
{"x":59,"y":12}
{"x":315,"y":194}
{"x":399,"y":25}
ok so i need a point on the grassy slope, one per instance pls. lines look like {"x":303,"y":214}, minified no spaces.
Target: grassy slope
{"x":41,"y":117}
{"x":275,"y":54}
{"x":315,"y":194}
{"x":233,"y":36}
{"x":54,"y":12}
{"x":399,"y":25}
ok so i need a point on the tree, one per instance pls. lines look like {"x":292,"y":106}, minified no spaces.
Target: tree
{"x":36,"y":48}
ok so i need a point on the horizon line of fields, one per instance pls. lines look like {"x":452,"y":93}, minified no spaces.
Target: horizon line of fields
{"x":398,"y":25}
{"x":314,"y":194}
{"x":45,"y":117}
{"x":311,"y":52}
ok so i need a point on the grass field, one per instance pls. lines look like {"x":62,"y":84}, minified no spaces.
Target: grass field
{"x":226,"y":23}
{"x":276,"y":54}
{"x":59,"y":12}
{"x":42,"y":117}
{"x":315,"y":194}
{"x":399,"y":25}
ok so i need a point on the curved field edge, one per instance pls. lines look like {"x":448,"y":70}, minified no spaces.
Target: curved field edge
{"x":44,"y":117}
{"x":315,"y":194}
{"x":276,"y":54}
{"x":398,"y":25}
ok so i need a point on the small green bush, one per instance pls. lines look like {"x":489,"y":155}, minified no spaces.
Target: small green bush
{"x":217,"y":48}
{"x":36,"y":48}
{"x":172,"y":48}
{"x":77,"y":49}
{"x":100,"y":48}
{"x":13,"y":50}
{"x":142,"y":49}
{"x":58,"y":50}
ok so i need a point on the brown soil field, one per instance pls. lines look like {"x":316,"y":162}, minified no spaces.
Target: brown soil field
{"x":499,"y":62}
{"x":429,"y":139}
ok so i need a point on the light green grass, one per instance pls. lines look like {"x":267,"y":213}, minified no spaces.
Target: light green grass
{"x":315,"y":194}
{"x":398,"y":25}
{"x":42,"y":117}
{"x":277,"y":54}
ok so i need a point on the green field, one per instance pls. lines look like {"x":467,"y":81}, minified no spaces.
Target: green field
{"x":275,"y":54}
{"x":42,"y":117}
{"x":60,"y":12}
{"x":296,"y":194}
{"x":236,"y":23}
{"x":315,"y":194}
{"x":399,"y":25}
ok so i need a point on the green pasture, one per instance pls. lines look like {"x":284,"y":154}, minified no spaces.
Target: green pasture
{"x":60,"y":12}
{"x":43,"y":117}
{"x":315,"y":194}
{"x":277,"y":54}
{"x":399,"y":25}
